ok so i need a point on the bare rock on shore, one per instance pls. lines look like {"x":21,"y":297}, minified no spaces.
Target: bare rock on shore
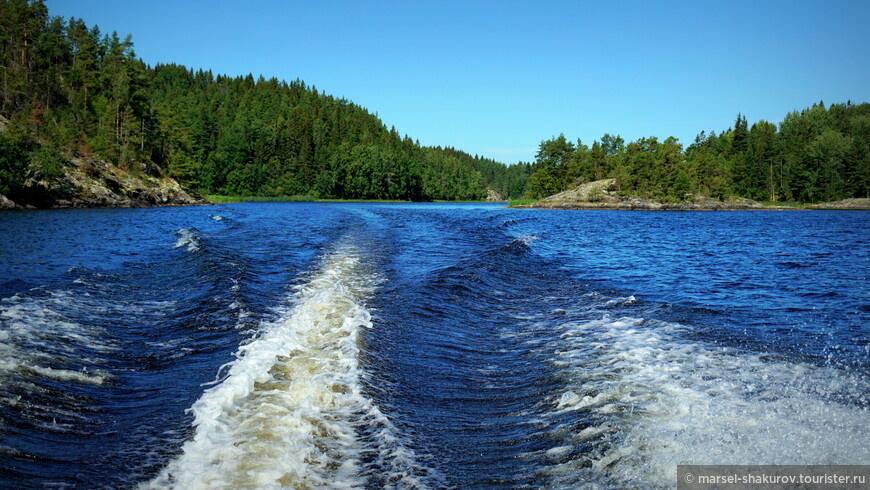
{"x":602,"y":194}
{"x":91,"y":184}
{"x":493,"y":195}
{"x":858,"y":203}
{"x":6,"y":203}
{"x":591,"y":192}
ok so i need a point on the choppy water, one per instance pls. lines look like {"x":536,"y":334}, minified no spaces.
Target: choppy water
{"x":427,"y":346}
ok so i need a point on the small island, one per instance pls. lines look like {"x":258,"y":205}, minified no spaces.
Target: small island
{"x":603,"y":194}
{"x":818,"y":158}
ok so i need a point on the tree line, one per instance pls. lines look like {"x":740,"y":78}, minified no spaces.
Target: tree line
{"x":71,"y":93}
{"x":815,"y":155}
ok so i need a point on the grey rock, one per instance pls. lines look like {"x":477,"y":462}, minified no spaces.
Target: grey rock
{"x":602,"y":194}
{"x":6,"y":203}
{"x":861,"y":203}
{"x":91,"y":183}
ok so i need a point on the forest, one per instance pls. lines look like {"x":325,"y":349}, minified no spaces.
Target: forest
{"x":71,"y":94}
{"x":815,"y":155}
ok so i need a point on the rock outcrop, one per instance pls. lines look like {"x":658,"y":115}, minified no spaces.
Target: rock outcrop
{"x":90,"y":184}
{"x":602,"y":194}
{"x":6,"y":203}
{"x":641,"y":204}
{"x":493,"y":195}
{"x":862,"y":203}
{"x":600,"y":191}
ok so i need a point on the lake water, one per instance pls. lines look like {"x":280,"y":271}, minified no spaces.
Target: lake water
{"x":427,"y":346}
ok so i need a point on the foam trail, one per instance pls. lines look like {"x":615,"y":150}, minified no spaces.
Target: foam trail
{"x":290,"y":411}
{"x":652,"y":401}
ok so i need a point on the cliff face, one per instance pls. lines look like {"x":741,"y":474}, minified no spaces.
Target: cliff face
{"x":97,"y":184}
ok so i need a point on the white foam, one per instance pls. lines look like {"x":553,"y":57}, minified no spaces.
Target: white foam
{"x":290,"y":409}
{"x":189,"y":238}
{"x":526,"y":239}
{"x":83,"y":376}
{"x":620,"y":301}
{"x":655,"y":401}
{"x":36,"y":339}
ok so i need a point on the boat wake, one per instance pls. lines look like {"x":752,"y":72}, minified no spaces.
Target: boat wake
{"x":648,"y":401}
{"x":291,"y":409}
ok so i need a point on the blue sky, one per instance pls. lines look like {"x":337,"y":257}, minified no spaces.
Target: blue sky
{"x":497,"y":77}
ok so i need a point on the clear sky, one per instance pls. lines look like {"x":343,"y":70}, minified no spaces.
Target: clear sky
{"x":496,"y":78}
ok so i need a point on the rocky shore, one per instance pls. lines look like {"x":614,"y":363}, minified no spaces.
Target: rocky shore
{"x":602,"y":194}
{"x":96,"y":184}
{"x":844,"y":204}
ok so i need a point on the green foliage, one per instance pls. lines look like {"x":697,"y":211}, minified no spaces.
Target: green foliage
{"x":78,"y":92}
{"x":46,"y":163}
{"x":558,"y":163}
{"x":244,"y":137}
{"x":13,"y":163}
{"x":543,"y":182}
{"x":595,"y":195}
{"x":816,"y":155}
{"x":219,"y":199}
{"x":521,"y":202}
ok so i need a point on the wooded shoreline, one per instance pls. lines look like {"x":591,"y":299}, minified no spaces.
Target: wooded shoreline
{"x":636,"y":204}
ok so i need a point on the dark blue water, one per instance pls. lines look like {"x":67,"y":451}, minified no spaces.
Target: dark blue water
{"x":415,"y":346}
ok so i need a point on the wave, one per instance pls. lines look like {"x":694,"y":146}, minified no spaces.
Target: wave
{"x":620,"y":301}
{"x":38,"y":339}
{"x":526,"y":240}
{"x":188,"y":237}
{"x":644,"y":401}
{"x":290,"y":410}
{"x":519,"y":245}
